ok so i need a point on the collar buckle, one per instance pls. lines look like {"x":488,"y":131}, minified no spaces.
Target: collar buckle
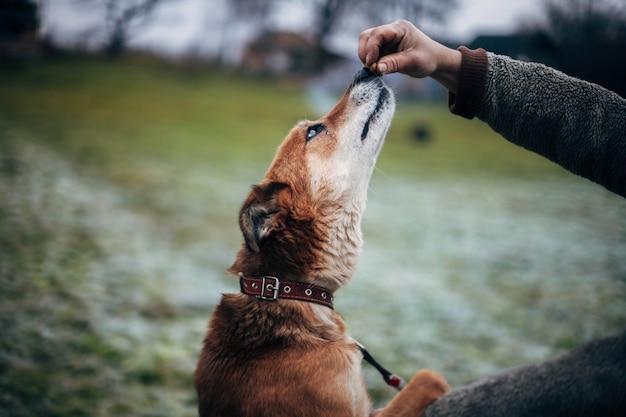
{"x":269,"y":288}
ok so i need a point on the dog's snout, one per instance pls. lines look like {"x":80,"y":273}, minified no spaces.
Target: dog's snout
{"x":364,"y":75}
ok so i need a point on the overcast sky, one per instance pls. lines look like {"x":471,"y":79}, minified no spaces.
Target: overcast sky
{"x":182,"y":25}
{"x":491,"y":16}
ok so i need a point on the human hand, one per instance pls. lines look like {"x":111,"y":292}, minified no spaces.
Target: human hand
{"x":401,"y":47}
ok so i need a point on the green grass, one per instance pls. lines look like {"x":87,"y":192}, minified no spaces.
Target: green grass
{"x":457,"y":147}
{"x":119,"y":189}
{"x":116,"y":115}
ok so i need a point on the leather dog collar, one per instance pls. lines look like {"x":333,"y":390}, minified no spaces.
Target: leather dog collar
{"x":270,"y":288}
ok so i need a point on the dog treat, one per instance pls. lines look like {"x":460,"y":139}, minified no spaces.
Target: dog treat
{"x":372,"y":68}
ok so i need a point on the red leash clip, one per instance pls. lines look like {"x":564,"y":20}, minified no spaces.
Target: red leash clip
{"x":391,"y":379}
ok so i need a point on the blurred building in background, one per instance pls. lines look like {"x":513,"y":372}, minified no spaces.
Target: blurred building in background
{"x":284,"y":53}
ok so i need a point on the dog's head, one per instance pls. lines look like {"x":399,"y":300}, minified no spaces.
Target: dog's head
{"x":302,"y":222}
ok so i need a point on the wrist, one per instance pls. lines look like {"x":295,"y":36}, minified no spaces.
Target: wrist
{"x":448,"y":68}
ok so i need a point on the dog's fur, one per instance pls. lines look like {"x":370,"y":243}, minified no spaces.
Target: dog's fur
{"x":302,"y":223}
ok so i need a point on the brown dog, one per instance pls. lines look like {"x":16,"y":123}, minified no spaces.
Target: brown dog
{"x":279,"y":349}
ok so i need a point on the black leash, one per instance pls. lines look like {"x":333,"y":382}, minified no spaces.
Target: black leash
{"x":391,"y":379}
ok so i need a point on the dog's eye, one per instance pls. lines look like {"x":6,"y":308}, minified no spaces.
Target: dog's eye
{"x":312,"y":131}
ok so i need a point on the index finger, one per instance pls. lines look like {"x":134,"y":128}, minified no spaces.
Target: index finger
{"x":363,"y":42}
{"x":372,"y":41}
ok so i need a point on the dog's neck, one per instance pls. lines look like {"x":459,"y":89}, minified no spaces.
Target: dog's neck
{"x":271,"y":289}
{"x":341,"y":250}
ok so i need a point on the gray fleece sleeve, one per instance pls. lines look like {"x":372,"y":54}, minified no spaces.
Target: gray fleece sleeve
{"x":579,"y":125}
{"x":587,"y":381}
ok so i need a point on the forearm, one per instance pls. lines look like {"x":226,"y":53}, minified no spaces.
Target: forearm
{"x":576,"y":124}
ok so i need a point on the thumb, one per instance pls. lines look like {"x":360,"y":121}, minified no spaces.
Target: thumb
{"x":407,"y":62}
{"x":397,"y":62}
{"x":387,"y":65}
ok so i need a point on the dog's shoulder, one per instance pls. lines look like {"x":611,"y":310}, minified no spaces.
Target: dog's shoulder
{"x":241,"y":324}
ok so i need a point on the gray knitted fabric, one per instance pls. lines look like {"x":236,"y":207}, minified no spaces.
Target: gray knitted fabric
{"x":579,"y":125}
{"x":589,"y":381}
{"x":582,"y":127}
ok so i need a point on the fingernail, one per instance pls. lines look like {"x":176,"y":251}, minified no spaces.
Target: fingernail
{"x":382,"y":67}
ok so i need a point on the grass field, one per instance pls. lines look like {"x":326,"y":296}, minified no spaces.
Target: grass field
{"x":119,"y":190}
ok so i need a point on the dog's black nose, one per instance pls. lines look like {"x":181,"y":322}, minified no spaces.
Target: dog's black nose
{"x":364,"y":75}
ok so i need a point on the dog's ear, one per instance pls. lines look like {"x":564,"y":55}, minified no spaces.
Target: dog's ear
{"x":260,"y":214}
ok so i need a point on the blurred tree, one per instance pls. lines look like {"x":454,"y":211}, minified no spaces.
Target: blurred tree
{"x":120,"y":17}
{"x":19,"y":24}
{"x":328,"y":16}
{"x":589,"y":39}
{"x":585,"y":20}
{"x":255,"y":12}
